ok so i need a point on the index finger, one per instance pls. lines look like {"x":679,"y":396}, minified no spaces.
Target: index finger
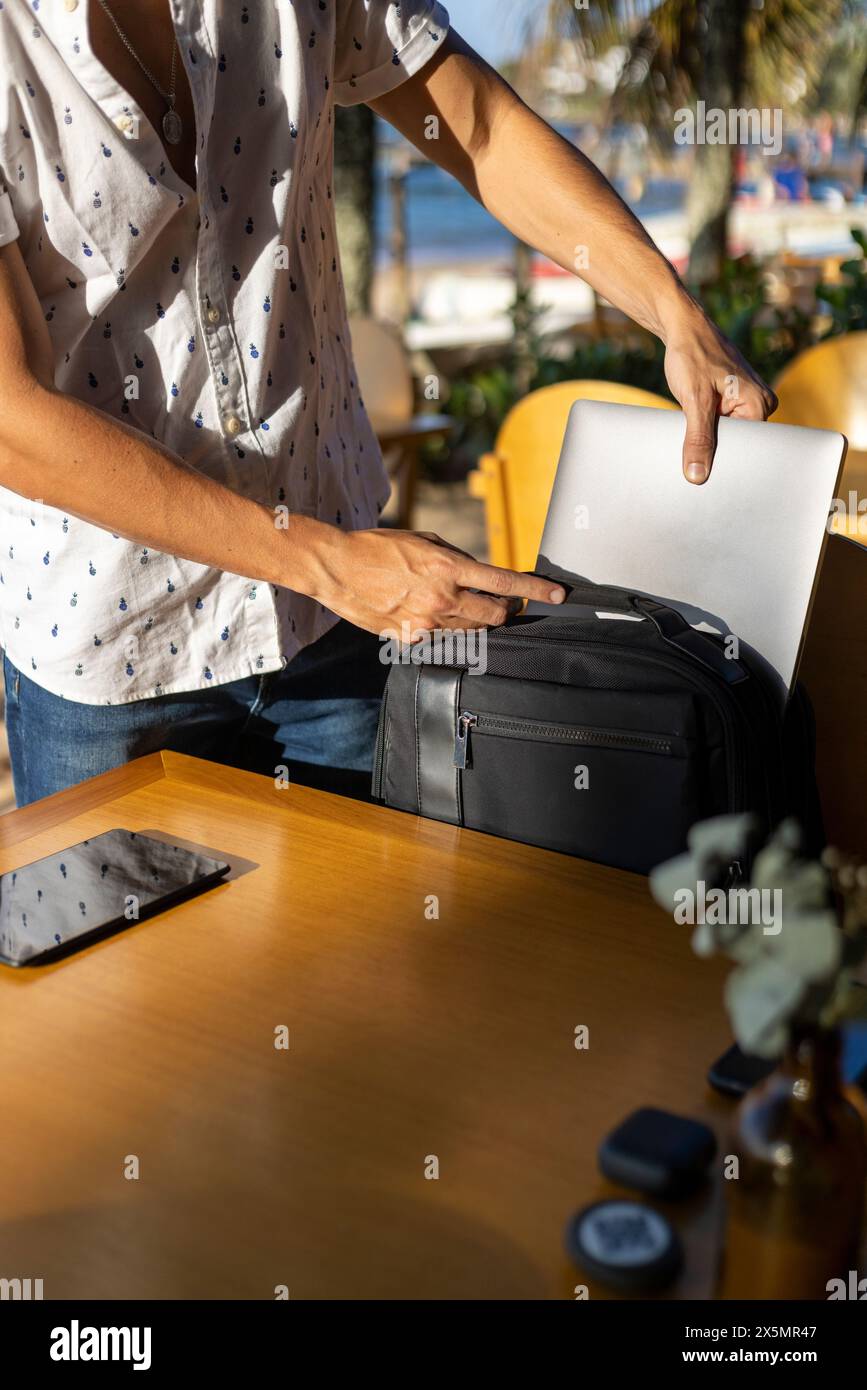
{"x":490,"y":579}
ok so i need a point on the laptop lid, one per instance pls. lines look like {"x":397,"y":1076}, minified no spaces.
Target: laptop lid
{"x":738,"y":555}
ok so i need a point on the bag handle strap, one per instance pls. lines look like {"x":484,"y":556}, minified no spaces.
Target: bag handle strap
{"x":671,"y":625}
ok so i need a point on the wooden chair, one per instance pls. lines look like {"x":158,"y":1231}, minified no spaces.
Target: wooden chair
{"x":515,"y":480}
{"x":386,"y":383}
{"x":834,"y":671}
{"x":826,"y":387}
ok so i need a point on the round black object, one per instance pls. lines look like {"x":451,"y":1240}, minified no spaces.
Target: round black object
{"x":628,"y":1246}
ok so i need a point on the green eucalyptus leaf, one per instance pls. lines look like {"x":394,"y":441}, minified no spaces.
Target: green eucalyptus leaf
{"x":771,"y":867}
{"x":748,"y":945}
{"x":723,"y":838}
{"x":857,"y":234}
{"x":788,"y":835}
{"x":810,"y":945}
{"x":805,"y":884}
{"x":704,"y":942}
{"x":807,"y":888}
{"x":761,"y":999}
{"x":673,"y":878}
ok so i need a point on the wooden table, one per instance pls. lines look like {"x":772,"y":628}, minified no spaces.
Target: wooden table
{"x":410,"y":1037}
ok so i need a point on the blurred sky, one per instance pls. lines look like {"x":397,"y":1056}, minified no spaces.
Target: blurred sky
{"x":496,"y":28}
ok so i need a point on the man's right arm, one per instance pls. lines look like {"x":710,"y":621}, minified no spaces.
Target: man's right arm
{"x":58,"y":449}
{"x":63,"y":452}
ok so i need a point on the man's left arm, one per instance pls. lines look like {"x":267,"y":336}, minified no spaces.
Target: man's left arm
{"x":551,"y":196}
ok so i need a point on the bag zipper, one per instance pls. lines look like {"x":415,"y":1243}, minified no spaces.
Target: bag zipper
{"x":379,"y":751}
{"x":547,"y":733}
{"x":683,"y":666}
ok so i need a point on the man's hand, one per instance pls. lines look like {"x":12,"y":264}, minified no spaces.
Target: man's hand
{"x":709,"y":377}
{"x":381,"y":580}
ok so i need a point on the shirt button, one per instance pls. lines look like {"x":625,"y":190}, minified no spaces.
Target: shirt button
{"x":213,"y":314}
{"x":233,"y":426}
{"x":124,"y":122}
{"x":70,"y":5}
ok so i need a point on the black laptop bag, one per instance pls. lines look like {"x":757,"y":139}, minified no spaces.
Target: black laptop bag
{"x":596,"y":737}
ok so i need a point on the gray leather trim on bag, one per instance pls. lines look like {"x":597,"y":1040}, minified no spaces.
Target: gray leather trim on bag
{"x":437,"y":693}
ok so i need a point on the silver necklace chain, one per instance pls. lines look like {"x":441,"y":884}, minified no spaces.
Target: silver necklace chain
{"x":172,"y":127}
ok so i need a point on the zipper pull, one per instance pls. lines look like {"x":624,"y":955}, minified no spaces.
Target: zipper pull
{"x":462,"y":738}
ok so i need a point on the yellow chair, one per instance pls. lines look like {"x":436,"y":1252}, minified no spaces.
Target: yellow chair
{"x":515,"y":481}
{"x":826,"y":387}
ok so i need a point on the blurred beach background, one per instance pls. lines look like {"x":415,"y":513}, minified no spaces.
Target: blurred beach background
{"x":773,"y":247}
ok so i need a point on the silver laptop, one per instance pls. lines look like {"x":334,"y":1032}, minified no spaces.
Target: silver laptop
{"x":738,"y":555}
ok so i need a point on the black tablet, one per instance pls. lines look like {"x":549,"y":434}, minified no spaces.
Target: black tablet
{"x":59,"y":904}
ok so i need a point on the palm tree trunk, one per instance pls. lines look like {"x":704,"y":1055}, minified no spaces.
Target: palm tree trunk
{"x":354,"y":153}
{"x":719,"y":82}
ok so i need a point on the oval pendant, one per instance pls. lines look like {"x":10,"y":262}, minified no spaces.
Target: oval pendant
{"x":172,"y":127}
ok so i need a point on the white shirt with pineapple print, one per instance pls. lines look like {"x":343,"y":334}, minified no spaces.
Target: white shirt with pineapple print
{"x":212,"y":319}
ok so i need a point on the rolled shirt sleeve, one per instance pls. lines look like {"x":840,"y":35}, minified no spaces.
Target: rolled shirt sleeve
{"x":8,"y":226}
{"x":379,"y":45}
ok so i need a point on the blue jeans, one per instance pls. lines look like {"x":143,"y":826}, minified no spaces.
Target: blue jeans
{"x":317,"y":716}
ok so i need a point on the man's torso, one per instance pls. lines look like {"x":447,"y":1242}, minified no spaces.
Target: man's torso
{"x":212,"y":319}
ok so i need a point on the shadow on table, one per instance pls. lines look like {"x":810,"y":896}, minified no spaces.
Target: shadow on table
{"x":239,"y":866}
{"x":319,"y":1239}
